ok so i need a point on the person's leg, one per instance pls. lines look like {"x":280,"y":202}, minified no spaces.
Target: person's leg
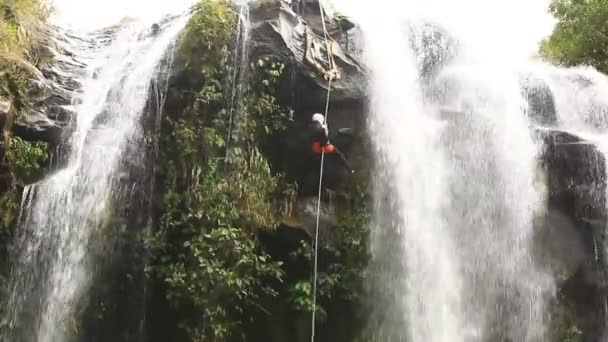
{"x":344,"y":160}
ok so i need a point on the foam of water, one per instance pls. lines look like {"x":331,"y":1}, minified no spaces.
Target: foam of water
{"x":579,"y":94}
{"x":62,"y":213}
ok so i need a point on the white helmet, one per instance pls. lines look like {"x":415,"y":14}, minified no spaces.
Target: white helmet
{"x":318,"y":118}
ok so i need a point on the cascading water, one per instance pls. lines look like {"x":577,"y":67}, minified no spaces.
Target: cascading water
{"x":238,"y":78}
{"x":412,"y":181}
{"x":493,"y":200}
{"x":61,"y":215}
{"x":455,"y":192}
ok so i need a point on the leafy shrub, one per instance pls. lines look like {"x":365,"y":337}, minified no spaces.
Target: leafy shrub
{"x":217,"y":192}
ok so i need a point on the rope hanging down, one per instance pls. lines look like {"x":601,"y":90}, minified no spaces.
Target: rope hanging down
{"x":316,"y":246}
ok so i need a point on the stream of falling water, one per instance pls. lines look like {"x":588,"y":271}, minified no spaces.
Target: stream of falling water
{"x":53,"y":266}
{"x":238,"y":78}
{"x":410,"y":194}
{"x":455,"y":191}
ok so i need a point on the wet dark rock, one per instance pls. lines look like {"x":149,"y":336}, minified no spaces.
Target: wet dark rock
{"x":36,"y":126}
{"x":39,"y":89}
{"x":278,"y":31}
{"x":155,"y":29}
{"x":305,"y":218}
{"x":541,"y":104}
{"x":52,"y":89}
{"x":61,"y":114}
{"x":577,"y":176}
{"x":572,"y":234}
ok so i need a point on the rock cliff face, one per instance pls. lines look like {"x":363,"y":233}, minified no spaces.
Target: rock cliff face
{"x":572,"y":234}
{"x":50,"y":88}
{"x":37,"y":108}
{"x":53,"y":89}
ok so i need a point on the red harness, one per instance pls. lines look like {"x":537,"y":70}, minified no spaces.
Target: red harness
{"x":319,"y":148}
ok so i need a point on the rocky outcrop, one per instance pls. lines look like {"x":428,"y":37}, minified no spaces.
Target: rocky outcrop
{"x":541,"y":104}
{"x":36,"y":126}
{"x":51,"y":89}
{"x":278,"y":31}
{"x":571,"y":236}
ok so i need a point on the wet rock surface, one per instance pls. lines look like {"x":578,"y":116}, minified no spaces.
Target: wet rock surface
{"x":53,"y":87}
{"x":572,"y":235}
{"x":541,"y":104}
{"x":278,"y":31}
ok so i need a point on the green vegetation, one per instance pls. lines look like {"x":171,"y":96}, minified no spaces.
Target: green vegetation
{"x":27,"y":158}
{"x":581,"y":34}
{"x":20,"y":161}
{"x":21,"y":32}
{"x":20,"y":25}
{"x":216,"y":198}
{"x":342,"y":275}
{"x":563,"y":326}
{"x":26,"y":161}
{"x":218,"y":192}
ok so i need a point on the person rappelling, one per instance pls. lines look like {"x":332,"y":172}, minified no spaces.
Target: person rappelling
{"x":319,"y":134}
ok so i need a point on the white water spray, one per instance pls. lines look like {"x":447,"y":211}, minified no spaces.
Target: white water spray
{"x":54,"y":266}
{"x":412,"y":179}
{"x":455,"y":192}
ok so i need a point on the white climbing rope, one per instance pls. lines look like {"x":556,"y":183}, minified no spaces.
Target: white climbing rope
{"x":316,"y":246}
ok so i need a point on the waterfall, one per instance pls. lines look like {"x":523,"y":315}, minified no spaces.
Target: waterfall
{"x":455,"y":191}
{"x":410,"y":198}
{"x":238,"y":78}
{"x":493,"y":200}
{"x":63,"y":216}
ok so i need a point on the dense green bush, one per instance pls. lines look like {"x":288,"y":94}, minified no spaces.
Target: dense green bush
{"x":28,"y":158}
{"x":216,"y":198}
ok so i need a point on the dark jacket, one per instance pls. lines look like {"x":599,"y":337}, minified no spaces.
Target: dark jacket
{"x":318,"y":133}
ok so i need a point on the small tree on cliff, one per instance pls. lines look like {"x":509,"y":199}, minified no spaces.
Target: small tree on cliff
{"x":581,"y":33}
